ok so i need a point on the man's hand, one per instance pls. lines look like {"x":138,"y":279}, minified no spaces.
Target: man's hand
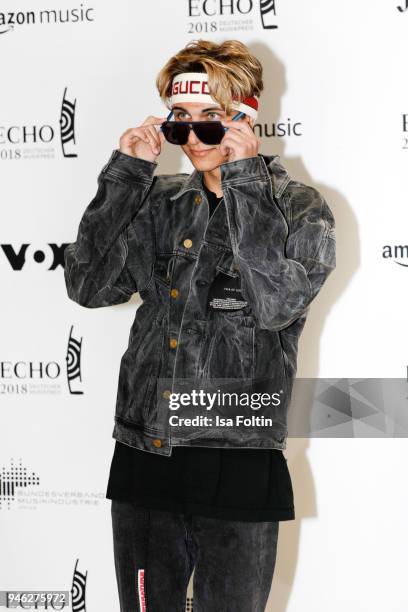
{"x":144,"y":141}
{"x":239,"y":141}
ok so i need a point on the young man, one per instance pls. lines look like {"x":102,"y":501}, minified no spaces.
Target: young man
{"x":227,"y":261}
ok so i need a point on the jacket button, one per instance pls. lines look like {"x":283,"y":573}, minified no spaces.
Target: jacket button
{"x":166,"y":394}
{"x":174,"y":293}
{"x":188,"y":243}
{"x":157,"y":443}
{"x":198,"y":199}
{"x":173,"y":343}
{"x":235,"y":268}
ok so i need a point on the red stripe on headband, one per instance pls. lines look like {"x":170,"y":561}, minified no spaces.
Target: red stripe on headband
{"x":252,"y":102}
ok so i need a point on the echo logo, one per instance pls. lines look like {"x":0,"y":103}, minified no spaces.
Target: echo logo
{"x":17,"y":138}
{"x":244,"y":8}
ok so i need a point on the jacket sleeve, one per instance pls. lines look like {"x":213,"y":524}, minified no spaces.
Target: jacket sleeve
{"x":284,"y":252}
{"x":99,"y":270}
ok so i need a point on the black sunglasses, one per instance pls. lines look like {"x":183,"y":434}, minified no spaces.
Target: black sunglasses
{"x":209,"y":132}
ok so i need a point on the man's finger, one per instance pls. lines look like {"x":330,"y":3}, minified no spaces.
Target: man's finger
{"x":154,"y":121}
{"x":152,"y":130}
{"x":235,"y":137}
{"x":241,"y":126}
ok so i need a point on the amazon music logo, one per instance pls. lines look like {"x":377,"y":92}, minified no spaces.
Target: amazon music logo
{"x":278,"y":129}
{"x":11,"y":20}
{"x":398,"y":253}
{"x":22,"y":377}
{"x":231,"y":15}
{"x":33,"y":141}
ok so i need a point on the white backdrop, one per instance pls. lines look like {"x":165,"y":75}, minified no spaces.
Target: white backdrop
{"x":338,"y":69}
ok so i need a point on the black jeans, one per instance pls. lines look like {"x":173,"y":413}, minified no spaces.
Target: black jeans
{"x":155,"y":552}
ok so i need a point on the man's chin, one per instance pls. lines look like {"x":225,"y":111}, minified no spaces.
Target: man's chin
{"x":208,"y":164}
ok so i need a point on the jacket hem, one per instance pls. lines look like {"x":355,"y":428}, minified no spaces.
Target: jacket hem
{"x":138,"y":437}
{"x":229,"y":443}
{"x":153,"y":441}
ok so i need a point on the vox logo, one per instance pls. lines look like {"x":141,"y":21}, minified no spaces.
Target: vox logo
{"x":51,"y":255}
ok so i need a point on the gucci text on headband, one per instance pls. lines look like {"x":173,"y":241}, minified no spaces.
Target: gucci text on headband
{"x":193,"y":87}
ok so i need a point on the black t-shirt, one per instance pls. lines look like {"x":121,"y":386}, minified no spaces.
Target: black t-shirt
{"x":243,"y":484}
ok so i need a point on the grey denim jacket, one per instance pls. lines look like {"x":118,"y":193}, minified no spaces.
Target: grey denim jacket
{"x":153,"y":235}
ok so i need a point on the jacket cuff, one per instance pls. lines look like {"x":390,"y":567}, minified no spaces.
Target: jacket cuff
{"x":122,"y":165}
{"x":241,"y":170}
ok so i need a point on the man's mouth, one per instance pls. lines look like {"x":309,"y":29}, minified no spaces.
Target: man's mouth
{"x":200,"y":152}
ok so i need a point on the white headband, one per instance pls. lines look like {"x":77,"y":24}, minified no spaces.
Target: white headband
{"x":193,"y":87}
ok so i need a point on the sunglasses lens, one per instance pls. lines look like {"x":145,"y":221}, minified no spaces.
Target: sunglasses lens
{"x":209,"y":132}
{"x":176,"y":133}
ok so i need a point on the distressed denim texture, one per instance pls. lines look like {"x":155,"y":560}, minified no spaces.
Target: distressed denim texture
{"x":233,"y":561}
{"x":274,"y":232}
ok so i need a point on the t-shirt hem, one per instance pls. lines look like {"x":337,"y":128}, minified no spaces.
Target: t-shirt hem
{"x":222,"y":512}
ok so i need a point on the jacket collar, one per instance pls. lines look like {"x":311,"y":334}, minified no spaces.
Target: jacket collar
{"x":193,"y":182}
{"x":279,"y":176}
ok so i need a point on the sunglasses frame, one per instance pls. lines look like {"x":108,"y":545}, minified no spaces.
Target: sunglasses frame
{"x":192,"y":123}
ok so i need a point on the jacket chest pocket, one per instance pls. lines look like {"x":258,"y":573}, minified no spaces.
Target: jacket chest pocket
{"x":163,"y":268}
{"x":228,"y":349}
{"x":227,"y":263}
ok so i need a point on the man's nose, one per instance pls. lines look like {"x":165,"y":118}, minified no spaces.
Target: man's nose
{"x":192,"y":138}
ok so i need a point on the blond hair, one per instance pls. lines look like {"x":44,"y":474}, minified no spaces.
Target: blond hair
{"x":233,"y":72}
